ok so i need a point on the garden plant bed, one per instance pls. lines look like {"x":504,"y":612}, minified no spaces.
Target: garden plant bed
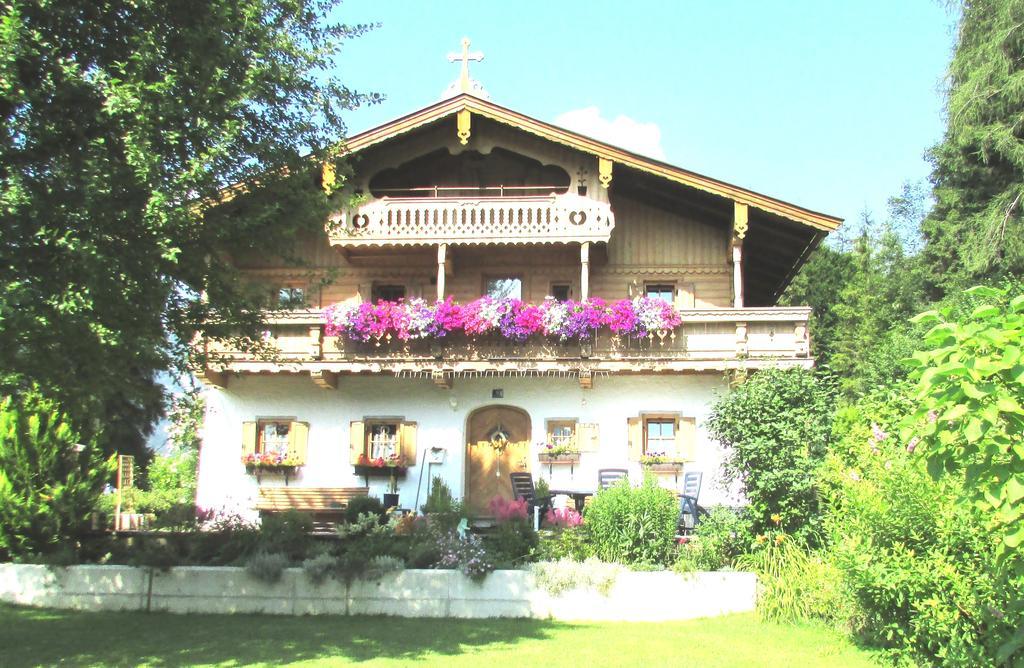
{"x":636,"y":596}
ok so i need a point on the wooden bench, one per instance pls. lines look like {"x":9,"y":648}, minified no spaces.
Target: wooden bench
{"x":326,"y":504}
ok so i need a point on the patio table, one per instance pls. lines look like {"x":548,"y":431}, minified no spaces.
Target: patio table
{"x":578,"y":496}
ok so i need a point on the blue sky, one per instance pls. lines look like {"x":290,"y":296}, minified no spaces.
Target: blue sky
{"x":830,"y":104}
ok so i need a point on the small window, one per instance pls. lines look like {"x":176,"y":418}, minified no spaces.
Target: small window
{"x":506,"y":287}
{"x":292,"y":297}
{"x":659,"y":436}
{"x":562,"y":433}
{"x":561,"y":291}
{"x":665,"y":291}
{"x":272,"y":436}
{"x":387,"y":293}
{"x":382,"y":440}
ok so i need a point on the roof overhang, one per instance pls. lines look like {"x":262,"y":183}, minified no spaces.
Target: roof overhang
{"x":821,"y":222}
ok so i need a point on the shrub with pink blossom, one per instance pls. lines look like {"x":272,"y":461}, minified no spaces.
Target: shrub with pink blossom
{"x":562,"y":518}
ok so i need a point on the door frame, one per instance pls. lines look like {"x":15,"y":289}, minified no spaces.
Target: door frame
{"x":465,"y":440}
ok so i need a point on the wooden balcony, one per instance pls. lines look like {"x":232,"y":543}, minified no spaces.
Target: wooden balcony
{"x":509,"y":218}
{"x":708,"y":340}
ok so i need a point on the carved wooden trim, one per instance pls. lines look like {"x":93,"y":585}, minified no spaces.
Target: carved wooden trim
{"x":327,"y":380}
{"x":411,"y":221}
{"x":604,"y":171}
{"x":586,"y":379}
{"x":208,"y":376}
{"x":463,"y":119}
{"x":441,"y":379}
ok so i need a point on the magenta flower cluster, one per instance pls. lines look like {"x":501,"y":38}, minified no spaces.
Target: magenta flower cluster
{"x":511,"y":319}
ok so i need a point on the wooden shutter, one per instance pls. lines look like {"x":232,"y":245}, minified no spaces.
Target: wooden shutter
{"x":587,"y":437}
{"x":248,"y":438}
{"x":298,"y":438}
{"x":636,"y":438}
{"x":686,"y":439}
{"x":408,"y":442}
{"x":684,"y":296}
{"x":356,"y":441}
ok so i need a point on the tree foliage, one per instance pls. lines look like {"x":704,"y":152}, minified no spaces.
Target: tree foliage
{"x":975,"y":230}
{"x":121,"y":124}
{"x":49,"y":480}
{"x":775,"y":429}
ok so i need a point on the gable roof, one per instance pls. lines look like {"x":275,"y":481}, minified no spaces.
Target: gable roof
{"x":813,"y":219}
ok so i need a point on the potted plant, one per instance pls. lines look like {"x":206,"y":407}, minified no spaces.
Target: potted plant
{"x":256,"y":462}
{"x":391,"y":497}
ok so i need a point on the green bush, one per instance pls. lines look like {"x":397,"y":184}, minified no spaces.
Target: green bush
{"x":49,"y":480}
{"x":718,"y":540}
{"x":568,"y":543}
{"x":440,"y":499}
{"x":512,"y":544}
{"x":795,"y":584}
{"x":635,"y":526}
{"x":365,"y":504}
{"x":286,"y":533}
{"x":919,"y":563}
{"x":775,"y":429}
{"x":266,"y":566}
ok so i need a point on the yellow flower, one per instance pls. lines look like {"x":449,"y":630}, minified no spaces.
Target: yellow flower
{"x":777,"y":518}
{"x":779,"y":539}
{"x":761,"y":539}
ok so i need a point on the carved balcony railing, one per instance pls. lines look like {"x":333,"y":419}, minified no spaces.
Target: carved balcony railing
{"x":708,"y":339}
{"x":524,"y":219}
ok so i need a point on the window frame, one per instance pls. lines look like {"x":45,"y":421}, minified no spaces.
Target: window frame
{"x":660,"y":418}
{"x":554,"y":423}
{"x":291,"y":302}
{"x":661,"y":284}
{"x":378,"y":285}
{"x":261,"y":422}
{"x":568,"y":290}
{"x":486,"y":278}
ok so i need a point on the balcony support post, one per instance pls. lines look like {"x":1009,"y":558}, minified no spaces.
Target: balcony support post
{"x":740,"y":223}
{"x":585,"y":270}
{"x":442,"y":259}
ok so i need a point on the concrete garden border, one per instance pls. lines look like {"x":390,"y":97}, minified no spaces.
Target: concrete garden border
{"x":656,"y":596}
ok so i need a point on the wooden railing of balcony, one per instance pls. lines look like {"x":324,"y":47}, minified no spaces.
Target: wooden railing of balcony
{"x":521,"y":218}
{"x":708,"y":339}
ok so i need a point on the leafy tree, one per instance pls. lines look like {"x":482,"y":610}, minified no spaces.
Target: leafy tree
{"x":775,"y":429}
{"x":120,"y":125}
{"x":975,"y":230}
{"x":49,"y":480}
{"x":819,"y":285}
{"x":970,"y":413}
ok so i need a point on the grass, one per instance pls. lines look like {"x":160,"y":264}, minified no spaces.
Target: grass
{"x":31,"y":637}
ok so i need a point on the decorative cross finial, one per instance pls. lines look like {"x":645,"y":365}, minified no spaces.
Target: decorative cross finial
{"x":464,"y":82}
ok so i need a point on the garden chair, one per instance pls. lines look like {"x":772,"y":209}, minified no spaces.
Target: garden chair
{"x":610,"y":477}
{"x":689,"y":512}
{"x":522,"y":488}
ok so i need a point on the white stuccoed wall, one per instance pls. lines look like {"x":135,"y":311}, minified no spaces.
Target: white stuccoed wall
{"x":442,"y":416}
{"x":651,"y":596}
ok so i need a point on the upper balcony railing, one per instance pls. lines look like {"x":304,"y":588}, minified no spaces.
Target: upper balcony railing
{"x":471,"y":216}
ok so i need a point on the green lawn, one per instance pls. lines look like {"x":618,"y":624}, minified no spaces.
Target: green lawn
{"x":31,"y":637}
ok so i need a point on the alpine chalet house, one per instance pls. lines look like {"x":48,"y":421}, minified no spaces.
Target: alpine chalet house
{"x":505,"y":295}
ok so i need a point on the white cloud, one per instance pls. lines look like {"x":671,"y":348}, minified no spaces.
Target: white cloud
{"x":623,"y":131}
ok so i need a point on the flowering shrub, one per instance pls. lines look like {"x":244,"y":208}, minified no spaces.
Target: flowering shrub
{"x":562,"y":518}
{"x":505,"y":510}
{"x":269,"y":460}
{"x":465,"y":553}
{"x":512,"y":319}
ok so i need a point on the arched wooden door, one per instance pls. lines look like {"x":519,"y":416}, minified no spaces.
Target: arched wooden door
{"x":487,"y":466}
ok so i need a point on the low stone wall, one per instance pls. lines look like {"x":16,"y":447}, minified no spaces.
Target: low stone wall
{"x":656,"y":596}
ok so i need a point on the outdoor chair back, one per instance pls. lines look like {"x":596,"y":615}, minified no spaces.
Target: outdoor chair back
{"x":522,"y":488}
{"x":610,"y":477}
{"x":690,"y":512}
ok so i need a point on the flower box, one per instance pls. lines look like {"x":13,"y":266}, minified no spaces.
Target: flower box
{"x":663,"y":467}
{"x":562,"y":458}
{"x":371,"y":470}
